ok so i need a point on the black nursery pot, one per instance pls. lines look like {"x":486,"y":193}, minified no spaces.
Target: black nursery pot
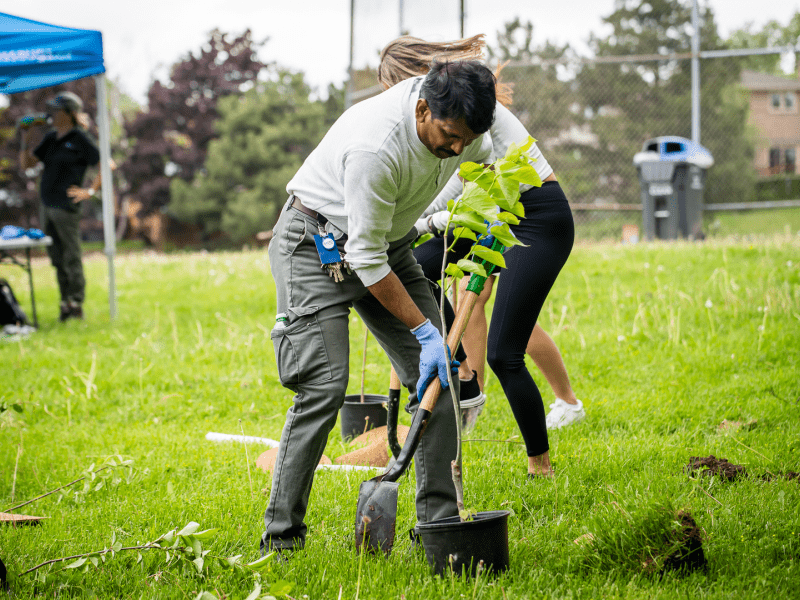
{"x":358,"y":417}
{"x":449,"y":543}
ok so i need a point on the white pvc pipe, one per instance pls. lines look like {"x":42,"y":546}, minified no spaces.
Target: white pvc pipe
{"x":107,"y":189}
{"x":212,"y":436}
{"x":348,"y":468}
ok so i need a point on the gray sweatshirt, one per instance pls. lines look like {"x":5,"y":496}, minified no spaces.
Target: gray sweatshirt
{"x":372,"y":177}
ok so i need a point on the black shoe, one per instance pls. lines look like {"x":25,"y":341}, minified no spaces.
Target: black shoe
{"x":470,"y":390}
{"x":76,"y":311}
{"x":66,"y":312}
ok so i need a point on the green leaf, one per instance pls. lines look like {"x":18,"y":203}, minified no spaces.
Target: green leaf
{"x":485,"y":180}
{"x":505,"y":191}
{"x":471,"y":220}
{"x":517,"y":209}
{"x":280,"y":588}
{"x":255,"y":593}
{"x":197,"y":547}
{"x":479,"y":201}
{"x":450,"y":204}
{"x":453,"y":271}
{"x":190,"y":528}
{"x":138,"y":557}
{"x":526,"y":174}
{"x":17,"y":407}
{"x":507,"y":217}
{"x":504,"y":235}
{"x":422,"y":239}
{"x":262,"y":564}
{"x":94,"y":561}
{"x":169,"y":536}
{"x":471,"y":267}
{"x":467,"y":514}
{"x":470,"y":170}
{"x":205,"y":596}
{"x":232,"y":561}
{"x":76,"y":564}
{"x":491,"y":256}
{"x":206,"y":535}
{"x":198,"y":563}
{"x":515,"y":151}
{"x":464,"y":232}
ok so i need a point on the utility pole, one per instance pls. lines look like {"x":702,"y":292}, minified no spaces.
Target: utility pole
{"x":462,"y":16}
{"x":695,"y":73}
{"x":348,"y":97}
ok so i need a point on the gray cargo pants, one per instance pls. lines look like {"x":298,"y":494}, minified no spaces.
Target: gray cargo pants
{"x":65,"y":252}
{"x":312,"y":355}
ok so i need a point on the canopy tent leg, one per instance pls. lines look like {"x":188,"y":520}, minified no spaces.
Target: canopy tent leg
{"x":107,"y":189}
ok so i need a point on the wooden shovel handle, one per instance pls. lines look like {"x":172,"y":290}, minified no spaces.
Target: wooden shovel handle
{"x":453,"y":341}
{"x":394,"y":380}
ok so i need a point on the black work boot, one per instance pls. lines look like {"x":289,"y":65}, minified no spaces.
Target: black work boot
{"x":66,"y":312}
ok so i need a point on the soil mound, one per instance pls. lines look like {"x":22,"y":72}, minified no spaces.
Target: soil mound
{"x":710,"y":465}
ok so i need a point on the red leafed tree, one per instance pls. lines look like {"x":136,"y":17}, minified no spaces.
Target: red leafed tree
{"x":170,"y":139}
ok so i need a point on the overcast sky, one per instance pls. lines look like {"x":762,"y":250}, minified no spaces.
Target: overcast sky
{"x":142,"y":38}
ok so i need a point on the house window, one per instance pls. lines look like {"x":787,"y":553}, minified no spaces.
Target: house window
{"x":791,"y":158}
{"x":789,"y":99}
{"x":774,"y":159}
{"x":776,"y":101}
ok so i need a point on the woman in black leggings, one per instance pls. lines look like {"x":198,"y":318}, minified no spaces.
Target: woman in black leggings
{"x":531,"y":270}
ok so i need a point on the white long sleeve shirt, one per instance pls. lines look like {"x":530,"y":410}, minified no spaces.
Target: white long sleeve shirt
{"x":506,"y":130}
{"x":372,"y":177}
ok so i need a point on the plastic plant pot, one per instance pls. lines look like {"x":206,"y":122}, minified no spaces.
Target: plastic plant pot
{"x":464,"y":546}
{"x":358,"y":417}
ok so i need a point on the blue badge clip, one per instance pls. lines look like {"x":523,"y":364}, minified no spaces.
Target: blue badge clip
{"x":327,"y":250}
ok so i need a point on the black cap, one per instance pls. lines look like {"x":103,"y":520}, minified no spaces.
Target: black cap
{"x":67,"y":101}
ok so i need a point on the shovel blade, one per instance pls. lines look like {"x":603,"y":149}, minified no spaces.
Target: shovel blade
{"x":376,"y":516}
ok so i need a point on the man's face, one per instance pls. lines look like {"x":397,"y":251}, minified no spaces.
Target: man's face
{"x":443,"y":137}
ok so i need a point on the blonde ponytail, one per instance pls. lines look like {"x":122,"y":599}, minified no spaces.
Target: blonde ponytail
{"x":409,"y":56}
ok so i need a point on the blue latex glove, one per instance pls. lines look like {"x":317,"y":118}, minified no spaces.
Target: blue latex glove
{"x":11,"y":232}
{"x":431,"y":359}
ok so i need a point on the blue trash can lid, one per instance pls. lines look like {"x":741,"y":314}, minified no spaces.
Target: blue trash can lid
{"x":673,"y":148}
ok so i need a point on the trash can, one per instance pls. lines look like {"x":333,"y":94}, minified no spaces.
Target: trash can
{"x":672,"y":173}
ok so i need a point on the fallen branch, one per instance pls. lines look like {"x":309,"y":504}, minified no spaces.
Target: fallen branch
{"x":13,"y":508}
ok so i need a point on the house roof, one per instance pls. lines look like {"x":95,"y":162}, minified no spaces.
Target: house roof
{"x":762,"y":82}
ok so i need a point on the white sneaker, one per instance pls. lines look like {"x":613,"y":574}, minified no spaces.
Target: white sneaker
{"x":562,"y":414}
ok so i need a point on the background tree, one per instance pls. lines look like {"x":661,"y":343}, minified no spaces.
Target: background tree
{"x":771,"y":34}
{"x":170,"y":139}
{"x":264,"y":136}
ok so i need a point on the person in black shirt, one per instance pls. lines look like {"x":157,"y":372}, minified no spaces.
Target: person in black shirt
{"x":66,"y":153}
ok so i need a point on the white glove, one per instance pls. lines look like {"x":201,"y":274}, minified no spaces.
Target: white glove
{"x":434,"y":223}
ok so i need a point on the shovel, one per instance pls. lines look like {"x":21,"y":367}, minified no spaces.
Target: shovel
{"x":376,"y":513}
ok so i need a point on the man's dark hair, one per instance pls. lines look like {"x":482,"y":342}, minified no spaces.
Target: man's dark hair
{"x":461,"y":89}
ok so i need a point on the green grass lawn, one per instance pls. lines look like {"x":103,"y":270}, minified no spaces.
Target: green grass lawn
{"x":662,"y":341}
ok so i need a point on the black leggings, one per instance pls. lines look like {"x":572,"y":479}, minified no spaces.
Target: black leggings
{"x":548,"y":233}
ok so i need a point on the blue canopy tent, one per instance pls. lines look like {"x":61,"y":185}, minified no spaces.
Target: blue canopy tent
{"x":36,"y":55}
